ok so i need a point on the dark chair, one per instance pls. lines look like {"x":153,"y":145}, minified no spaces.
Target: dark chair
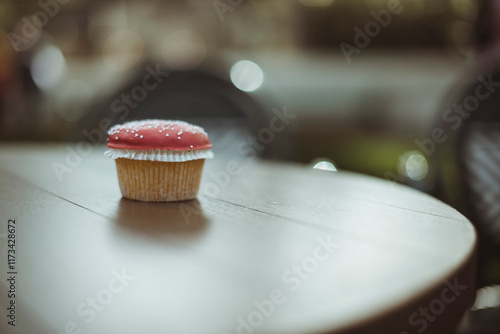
{"x":468,"y":165}
{"x":468,"y":169}
{"x":206,"y":98}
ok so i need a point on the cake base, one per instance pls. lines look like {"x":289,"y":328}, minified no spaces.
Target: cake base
{"x":158,"y":181}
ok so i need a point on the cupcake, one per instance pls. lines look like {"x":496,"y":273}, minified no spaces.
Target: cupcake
{"x":159,"y":160}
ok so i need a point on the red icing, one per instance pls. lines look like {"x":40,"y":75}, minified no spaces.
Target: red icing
{"x":154,"y":136}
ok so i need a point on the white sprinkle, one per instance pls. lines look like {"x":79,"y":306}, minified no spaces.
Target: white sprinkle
{"x":166,"y":135}
{"x":136,"y":134}
{"x":142,"y":136}
{"x":132,"y":131}
{"x":178,"y":137}
{"x":191,"y":146}
{"x":159,"y":131}
{"x":149,"y":126}
{"x":116,"y":138}
{"x":127,"y":130}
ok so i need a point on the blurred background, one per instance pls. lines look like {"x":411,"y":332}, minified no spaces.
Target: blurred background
{"x":64,"y":62}
{"x":369,"y":82}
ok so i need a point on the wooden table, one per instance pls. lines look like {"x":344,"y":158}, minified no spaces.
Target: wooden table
{"x":280,"y":248}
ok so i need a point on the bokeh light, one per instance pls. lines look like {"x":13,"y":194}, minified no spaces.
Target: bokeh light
{"x":325,"y":165}
{"x":487,"y":297}
{"x":247,"y":75}
{"x":413,"y":165}
{"x":48,"y":66}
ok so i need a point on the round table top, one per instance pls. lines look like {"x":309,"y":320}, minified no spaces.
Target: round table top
{"x":266,"y":248}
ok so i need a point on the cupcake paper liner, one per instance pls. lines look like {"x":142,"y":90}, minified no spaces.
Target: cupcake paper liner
{"x":159,"y":181}
{"x":159,"y":155}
